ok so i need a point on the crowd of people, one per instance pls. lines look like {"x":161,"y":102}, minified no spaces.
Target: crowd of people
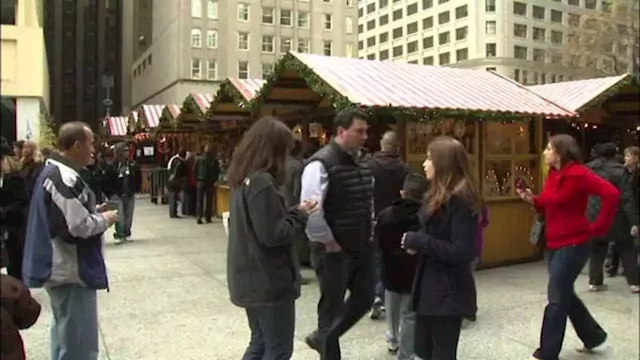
{"x":383,"y":240}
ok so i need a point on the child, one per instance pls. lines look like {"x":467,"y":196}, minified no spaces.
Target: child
{"x":398,"y":267}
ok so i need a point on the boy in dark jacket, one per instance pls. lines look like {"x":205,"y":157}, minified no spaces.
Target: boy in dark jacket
{"x":124,"y":180}
{"x":398,"y":267}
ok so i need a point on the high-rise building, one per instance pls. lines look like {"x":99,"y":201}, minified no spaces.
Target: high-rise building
{"x":523,"y":40}
{"x":196,"y":43}
{"x":24,"y":73}
{"x":84,"y":48}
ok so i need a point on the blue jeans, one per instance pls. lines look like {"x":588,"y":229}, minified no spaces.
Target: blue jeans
{"x":74,"y":331}
{"x":379,"y":287}
{"x":272,"y":328}
{"x":126,"y":206}
{"x":565,"y":265}
{"x":401,"y":323}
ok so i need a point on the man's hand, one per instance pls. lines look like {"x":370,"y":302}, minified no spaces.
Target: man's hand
{"x":111,"y":216}
{"x":634,"y":230}
{"x":332,"y":247}
{"x":308,"y":206}
{"x":102,"y":207}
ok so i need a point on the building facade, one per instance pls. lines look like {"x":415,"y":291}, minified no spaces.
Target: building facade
{"x":523,"y":40}
{"x":24,"y":74}
{"x":196,"y":43}
{"x":84,"y":43}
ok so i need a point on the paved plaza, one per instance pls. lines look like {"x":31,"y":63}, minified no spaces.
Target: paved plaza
{"x":168,"y":301}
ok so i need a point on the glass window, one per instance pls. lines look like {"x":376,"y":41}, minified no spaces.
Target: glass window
{"x":383,"y":4}
{"x":491,"y":50}
{"x":328,"y":22}
{"x":196,"y":9}
{"x":397,"y":33}
{"x":444,"y":59}
{"x":196,"y":38}
{"x":427,"y":23}
{"x":384,"y":55}
{"x":490,"y":27}
{"x":285,"y":17}
{"x":371,"y":8}
{"x":267,"y":69}
{"x":420,"y":134}
{"x":573,"y":2}
{"x":285,"y":45}
{"x":412,"y":47}
{"x":462,"y":54}
{"x":268,"y":15}
{"x":427,"y":4}
{"x":462,"y":33}
{"x":195,"y":68}
{"x":428,"y":60}
{"x":397,"y":51}
{"x":443,"y":18}
{"x":519,"y":8}
{"x":538,"y":12}
{"x":348,"y":24}
{"x":348,"y":50}
{"x":303,"y":45}
{"x":556,"y":37}
{"x":212,"y":9}
{"x":444,"y":38}
{"x":462,"y":12}
{"x":539,"y":34}
{"x":539,"y":55}
{"x":573,"y":20}
{"x":520,"y":30}
{"x":397,"y":15}
{"x":212,"y":70}
{"x":384,"y":20}
{"x":371,"y":24}
{"x":243,"y":12}
{"x":520,"y":52}
{"x":590,"y":4}
{"x":556,"y":16}
{"x":412,"y":28}
{"x":268,"y":44}
{"x":212,"y":39}
{"x":371,"y":41}
{"x":243,"y":70}
{"x":490,"y":6}
{"x":412,"y":9}
{"x":243,"y":41}
{"x":427,"y":43}
{"x":326,"y":47}
{"x":383,"y":38}
{"x":303,"y":20}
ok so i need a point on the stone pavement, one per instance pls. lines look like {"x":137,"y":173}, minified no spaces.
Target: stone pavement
{"x":169,"y":301}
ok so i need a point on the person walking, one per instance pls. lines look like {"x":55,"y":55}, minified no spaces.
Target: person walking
{"x":63,"y":249}
{"x":568,"y":233}
{"x":389,"y":173}
{"x":207,"y":173}
{"x":619,"y":235}
{"x":262,"y":271}
{"x":125,"y":181}
{"x":176,"y":181}
{"x":443,"y":287}
{"x":13,"y":201}
{"x":340,"y":232}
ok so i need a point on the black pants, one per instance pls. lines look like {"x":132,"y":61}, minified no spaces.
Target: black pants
{"x":613,"y":260}
{"x":628,"y":258}
{"x":437,"y":337}
{"x":337,"y":272}
{"x":204,"y":203}
{"x":173,"y":196}
{"x":272,"y":329}
{"x":15,"y":249}
{"x":189,"y":202}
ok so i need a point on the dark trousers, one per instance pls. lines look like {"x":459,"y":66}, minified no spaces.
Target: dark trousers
{"x":437,"y":337}
{"x":337,"y":272}
{"x":628,"y":258}
{"x":378,"y":299}
{"x":204,"y":203}
{"x":564,"y":266}
{"x":15,"y":249}
{"x":189,"y":202}
{"x":173,"y":196}
{"x":272,"y":329}
{"x":613,"y":260}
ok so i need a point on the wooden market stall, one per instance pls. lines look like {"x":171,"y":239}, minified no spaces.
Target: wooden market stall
{"x":190,"y":124}
{"x":133,"y":124}
{"x":498,"y":121}
{"x":115,"y":129}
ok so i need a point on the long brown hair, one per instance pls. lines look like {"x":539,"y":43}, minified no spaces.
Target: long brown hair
{"x":567,"y":149}
{"x":264,"y":147}
{"x":451,"y":177}
{"x":30,"y":153}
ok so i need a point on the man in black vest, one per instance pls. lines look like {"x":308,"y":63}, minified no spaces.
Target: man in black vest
{"x":340,"y":232}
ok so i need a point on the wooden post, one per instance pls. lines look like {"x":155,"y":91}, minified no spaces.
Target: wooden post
{"x":401,"y":135}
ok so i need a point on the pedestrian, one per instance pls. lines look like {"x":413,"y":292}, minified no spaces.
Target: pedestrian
{"x":262,"y":270}
{"x":176,"y":181}
{"x":444,"y":290}
{"x":568,"y":233}
{"x":389,"y":172}
{"x":619,"y":234}
{"x":125,"y":181}
{"x":340,"y":233}
{"x":63,"y":249}
{"x":207,"y":173}
{"x":483,"y":222}
{"x":191,"y":185}
{"x":32,"y":164}
{"x":398,"y":267}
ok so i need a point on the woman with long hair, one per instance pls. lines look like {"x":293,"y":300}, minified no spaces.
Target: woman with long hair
{"x":444,"y":288}
{"x":563,"y":201}
{"x":262,"y":270}
{"x":32,"y":164}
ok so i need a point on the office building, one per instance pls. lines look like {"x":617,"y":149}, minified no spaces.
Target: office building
{"x":196,"y":43}
{"x":523,"y":40}
{"x":84,"y":48}
{"x":24,"y":74}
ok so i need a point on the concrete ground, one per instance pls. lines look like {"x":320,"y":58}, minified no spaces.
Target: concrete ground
{"x":169,"y":301}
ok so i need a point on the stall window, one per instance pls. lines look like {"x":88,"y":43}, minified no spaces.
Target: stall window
{"x":510,"y":153}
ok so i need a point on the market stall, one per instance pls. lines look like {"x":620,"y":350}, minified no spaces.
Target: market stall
{"x":191,"y":121}
{"x":115,"y":129}
{"x":133,"y":124}
{"x":496,"y":119}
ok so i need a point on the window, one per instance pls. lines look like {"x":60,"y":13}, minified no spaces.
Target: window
{"x":303,"y":20}
{"x":427,"y":23}
{"x":428,"y":60}
{"x":412,"y":47}
{"x":427,"y":4}
{"x":212,"y":70}
{"x":520,"y":52}
{"x":348,"y":3}
{"x":383,"y":4}
{"x":195,"y":68}
{"x":462,"y":54}
{"x":574,"y":20}
{"x":285,"y":17}
{"x":384,"y":55}
{"x":427,"y":43}
{"x":384,"y":20}
{"x":360,"y":28}
{"x":268,"y":44}
{"x":519,"y":8}
{"x":348,"y":25}
{"x":397,"y":33}
{"x":303,"y":45}
{"x":348,"y":50}
{"x":212,"y":39}
{"x":243,"y":12}
{"x":556,"y":37}
{"x":490,"y":50}
{"x":590,"y":4}
{"x":443,"y":18}
{"x":573,"y":2}
{"x":556,"y":16}
{"x":371,"y":24}
{"x":412,"y":9}
{"x":196,"y":38}
{"x":371,"y":41}
{"x":383,"y":38}
{"x":539,"y":55}
{"x":285,"y":45}
{"x":462,"y":12}
{"x":442,"y":1}
{"x":243,"y":70}
{"x":397,"y":51}
{"x":371,"y":8}
{"x":520,"y":30}
{"x":462,"y":33}
{"x":539,"y":34}
{"x":397,"y":15}
{"x":243,"y":41}
{"x":328,"y":22}
{"x":412,"y":28}
{"x":196,"y":9}
{"x":267,"y":69}
{"x":490,"y":6}
{"x":268,"y":15}
{"x":327,"y":46}
{"x":538,"y":12}
{"x":444,"y":59}
{"x":371,"y":56}
{"x":444,"y":38}
{"x":490,"y":69}
{"x":212,"y":9}
{"x":490,"y":27}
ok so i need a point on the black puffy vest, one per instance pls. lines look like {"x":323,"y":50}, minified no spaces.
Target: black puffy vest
{"x":347,"y":205}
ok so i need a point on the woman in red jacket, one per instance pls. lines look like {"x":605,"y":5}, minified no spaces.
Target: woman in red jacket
{"x":563,"y":201}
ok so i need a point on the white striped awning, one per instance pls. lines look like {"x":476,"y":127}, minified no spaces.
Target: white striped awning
{"x":203,"y":101}
{"x":117,"y":125}
{"x":152,"y":114}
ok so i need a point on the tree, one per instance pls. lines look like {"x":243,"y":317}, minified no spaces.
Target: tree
{"x":606,"y":41}
{"x":48,"y":136}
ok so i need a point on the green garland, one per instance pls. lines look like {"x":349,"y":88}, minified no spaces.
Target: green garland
{"x":629,"y":79}
{"x":189,"y":107}
{"x":226,"y":90}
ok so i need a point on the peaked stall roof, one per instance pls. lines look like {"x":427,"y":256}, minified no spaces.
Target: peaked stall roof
{"x":174,"y":110}
{"x":117,"y":125}
{"x":575,"y":95}
{"x":248,"y":88}
{"x":396,"y":84}
{"x":152,"y":114}
{"x":203,"y":101}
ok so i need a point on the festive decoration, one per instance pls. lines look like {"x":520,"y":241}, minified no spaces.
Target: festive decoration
{"x":226,"y":92}
{"x":189,"y":109}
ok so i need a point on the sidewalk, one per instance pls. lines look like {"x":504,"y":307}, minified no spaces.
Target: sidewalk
{"x":169,"y":301}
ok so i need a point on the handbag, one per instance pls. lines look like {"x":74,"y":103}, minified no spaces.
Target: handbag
{"x":536,"y":235}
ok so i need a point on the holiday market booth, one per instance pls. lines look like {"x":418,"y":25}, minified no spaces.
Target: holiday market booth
{"x":145,"y":148}
{"x":115,"y":129}
{"x":498,"y":121}
{"x":194,"y":134}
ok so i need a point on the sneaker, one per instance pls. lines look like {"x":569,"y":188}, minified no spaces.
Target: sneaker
{"x":376,"y":313}
{"x":635,"y":289}
{"x":393,"y":348}
{"x":596,"y":288}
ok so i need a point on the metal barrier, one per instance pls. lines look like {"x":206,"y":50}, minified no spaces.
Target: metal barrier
{"x":156,"y":184}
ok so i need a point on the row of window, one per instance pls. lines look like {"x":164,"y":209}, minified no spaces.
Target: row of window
{"x":209,"y":70}
{"x":538,"y":33}
{"x":534,"y":77}
{"x":212,"y":9}
{"x":461,"y":33}
{"x":461,"y":12}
